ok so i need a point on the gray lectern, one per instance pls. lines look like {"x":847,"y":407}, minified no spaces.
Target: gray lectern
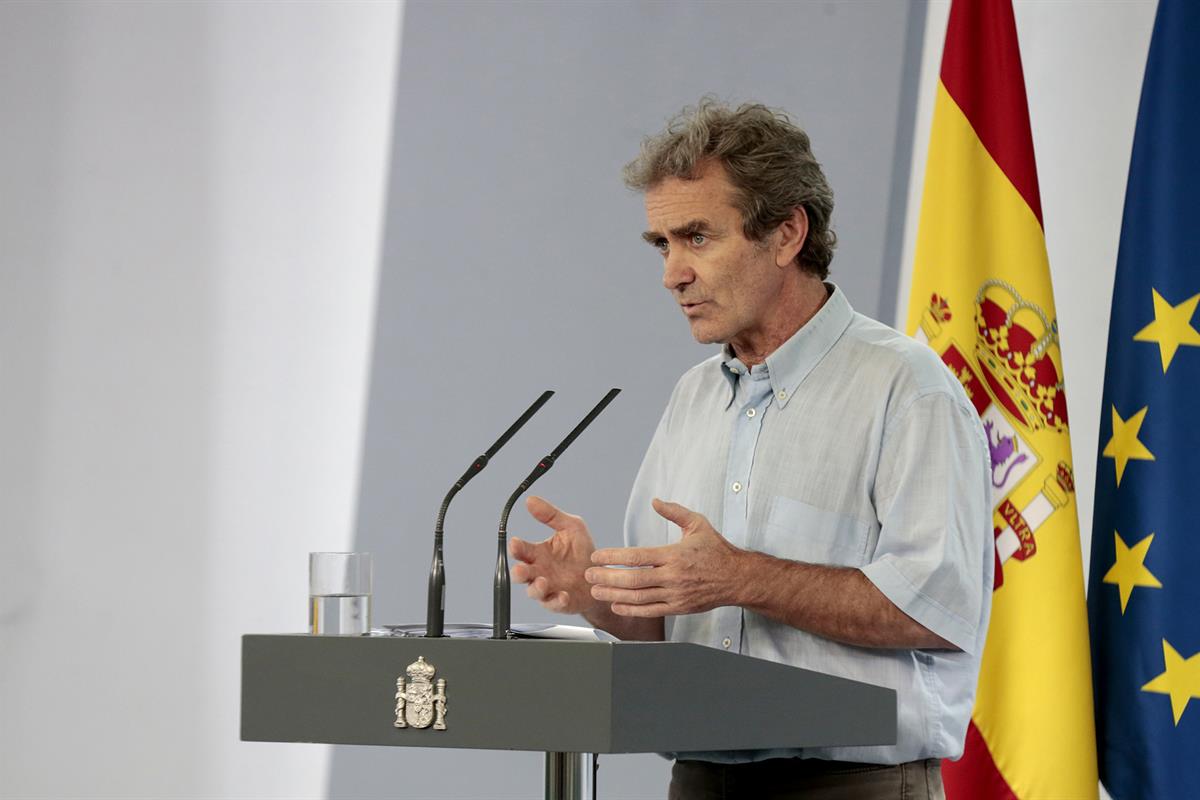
{"x":569,"y":699}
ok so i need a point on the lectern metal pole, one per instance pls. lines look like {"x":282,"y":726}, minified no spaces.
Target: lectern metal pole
{"x":570,"y":776}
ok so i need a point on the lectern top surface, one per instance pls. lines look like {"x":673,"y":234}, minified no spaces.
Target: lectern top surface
{"x":573,"y":696}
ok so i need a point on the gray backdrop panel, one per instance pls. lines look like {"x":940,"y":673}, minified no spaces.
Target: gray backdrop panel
{"x":512,"y":263}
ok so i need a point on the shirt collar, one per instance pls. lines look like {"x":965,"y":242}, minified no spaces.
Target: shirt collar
{"x":790,"y":364}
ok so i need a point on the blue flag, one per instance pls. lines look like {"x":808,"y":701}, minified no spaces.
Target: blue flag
{"x":1144,"y":591}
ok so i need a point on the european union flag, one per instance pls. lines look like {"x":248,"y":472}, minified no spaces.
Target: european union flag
{"x":1144,"y":592}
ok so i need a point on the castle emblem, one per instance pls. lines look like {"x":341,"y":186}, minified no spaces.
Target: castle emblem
{"x":418,"y":704}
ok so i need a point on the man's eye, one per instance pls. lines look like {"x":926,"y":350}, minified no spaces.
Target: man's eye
{"x":699,"y":239}
{"x":660,"y":245}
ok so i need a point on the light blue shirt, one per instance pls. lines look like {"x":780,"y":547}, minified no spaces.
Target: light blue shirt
{"x":853,"y":445}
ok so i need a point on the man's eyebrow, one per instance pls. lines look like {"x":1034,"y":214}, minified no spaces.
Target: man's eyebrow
{"x":690,"y":227}
{"x":683,"y":231}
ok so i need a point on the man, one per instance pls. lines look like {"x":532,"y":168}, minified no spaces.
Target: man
{"x":816,"y":494}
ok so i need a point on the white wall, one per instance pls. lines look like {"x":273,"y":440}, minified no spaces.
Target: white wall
{"x":190,"y":226}
{"x":1083,"y":63}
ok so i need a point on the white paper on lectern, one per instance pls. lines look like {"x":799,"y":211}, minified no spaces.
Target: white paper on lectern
{"x":573,"y":632}
{"x":480,"y":630}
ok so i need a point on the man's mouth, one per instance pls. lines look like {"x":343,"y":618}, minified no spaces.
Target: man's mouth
{"x":689,"y":308}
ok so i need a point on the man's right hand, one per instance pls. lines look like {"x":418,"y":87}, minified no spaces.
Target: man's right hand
{"x":553,"y":568}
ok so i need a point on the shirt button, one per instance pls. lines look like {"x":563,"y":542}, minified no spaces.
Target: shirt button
{"x":737,"y":487}
{"x":750,"y":412}
{"x":782,"y":395}
{"x":735,"y":371}
{"x":726,"y":642}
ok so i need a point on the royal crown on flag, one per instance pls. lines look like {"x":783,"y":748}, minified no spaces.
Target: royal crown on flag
{"x":1014,"y":348}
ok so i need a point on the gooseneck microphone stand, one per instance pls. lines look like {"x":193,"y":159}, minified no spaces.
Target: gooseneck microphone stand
{"x":435,"y":613}
{"x":502,"y":586}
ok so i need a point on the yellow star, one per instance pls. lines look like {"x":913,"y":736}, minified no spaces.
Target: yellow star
{"x":1124,"y":443}
{"x":1129,"y":570}
{"x":1180,"y":679}
{"x":1171,"y":327}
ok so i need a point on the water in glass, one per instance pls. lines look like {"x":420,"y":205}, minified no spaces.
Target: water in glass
{"x":339,"y":614}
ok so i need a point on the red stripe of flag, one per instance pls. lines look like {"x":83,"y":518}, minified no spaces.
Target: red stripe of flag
{"x":975,"y":774}
{"x":981,"y":69}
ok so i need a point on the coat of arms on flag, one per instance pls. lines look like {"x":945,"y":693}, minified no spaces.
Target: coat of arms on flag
{"x":1012,"y":374}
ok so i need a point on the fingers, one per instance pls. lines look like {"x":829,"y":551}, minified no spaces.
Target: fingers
{"x":633,"y":597}
{"x":649,"y":610}
{"x":521,"y":549}
{"x":545,"y":512}
{"x":632,"y":556}
{"x":539,"y":590}
{"x":559,"y":602}
{"x":673,"y":512}
{"x":623,"y":578}
{"x":522,"y":573}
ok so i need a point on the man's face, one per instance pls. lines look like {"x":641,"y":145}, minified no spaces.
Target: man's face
{"x":726,"y":284}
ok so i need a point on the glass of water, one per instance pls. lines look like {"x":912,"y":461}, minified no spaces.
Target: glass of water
{"x":339,"y":593}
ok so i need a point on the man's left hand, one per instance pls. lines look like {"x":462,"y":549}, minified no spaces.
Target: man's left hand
{"x":698,"y":573}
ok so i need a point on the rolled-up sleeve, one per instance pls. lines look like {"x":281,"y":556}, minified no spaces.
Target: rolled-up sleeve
{"x":934,"y":557}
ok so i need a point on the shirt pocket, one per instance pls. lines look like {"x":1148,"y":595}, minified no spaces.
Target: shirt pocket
{"x":798,"y":531}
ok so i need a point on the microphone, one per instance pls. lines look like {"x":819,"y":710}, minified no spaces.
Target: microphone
{"x":502,"y":587}
{"x":435,"y":613}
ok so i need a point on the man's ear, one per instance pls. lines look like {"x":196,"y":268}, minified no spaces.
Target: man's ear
{"x":792,"y":232}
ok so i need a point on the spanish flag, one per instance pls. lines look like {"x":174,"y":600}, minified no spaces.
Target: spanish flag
{"x":981,"y":298}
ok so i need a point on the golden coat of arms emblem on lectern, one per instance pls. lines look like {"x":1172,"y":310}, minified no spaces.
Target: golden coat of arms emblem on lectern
{"x":419,"y":703}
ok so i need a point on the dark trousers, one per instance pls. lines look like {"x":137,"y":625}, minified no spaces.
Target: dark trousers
{"x":812,"y":779}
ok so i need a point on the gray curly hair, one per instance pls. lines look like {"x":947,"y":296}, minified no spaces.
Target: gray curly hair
{"x":768,"y":159}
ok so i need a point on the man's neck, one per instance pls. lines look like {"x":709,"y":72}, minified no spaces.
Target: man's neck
{"x":798,"y":303}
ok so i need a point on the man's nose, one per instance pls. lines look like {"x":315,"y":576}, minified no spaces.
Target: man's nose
{"x":677,"y":272}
